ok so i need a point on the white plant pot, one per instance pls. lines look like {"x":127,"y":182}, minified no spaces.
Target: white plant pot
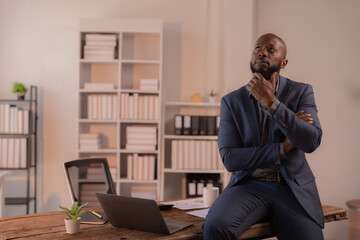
{"x":211,"y":99}
{"x":72,"y":226}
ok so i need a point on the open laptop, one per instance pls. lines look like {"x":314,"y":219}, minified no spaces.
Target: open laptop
{"x":137,"y":213}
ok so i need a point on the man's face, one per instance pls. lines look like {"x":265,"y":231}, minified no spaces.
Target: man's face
{"x":268,"y":56}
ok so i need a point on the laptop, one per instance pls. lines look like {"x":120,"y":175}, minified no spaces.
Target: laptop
{"x":137,"y":213}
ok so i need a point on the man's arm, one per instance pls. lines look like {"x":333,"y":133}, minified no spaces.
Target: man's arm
{"x":303,"y":135}
{"x":235,"y":154}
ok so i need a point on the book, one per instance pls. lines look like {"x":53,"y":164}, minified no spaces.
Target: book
{"x":195,"y":125}
{"x":141,"y":129}
{"x":181,"y":154}
{"x":16,"y":153}
{"x":203,"y":125}
{"x":101,"y":43}
{"x":178,"y":122}
{"x":135,"y":166}
{"x":26,"y":122}
{"x":174,"y":154}
{"x":23,"y":152}
{"x":152,"y":167}
{"x":100,"y":37}
{"x":6,"y":118}
{"x":192,"y":154}
{"x":214,"y":154}
{"x":197,"y":154}
{"x":11,"y":143}
{"x":186,"y":154}
{"x":211,"y":125}
{"x":4,"y":152}
{"x":129,"y":167}
{"x":186,"y":125}
{"x":90,"y":218}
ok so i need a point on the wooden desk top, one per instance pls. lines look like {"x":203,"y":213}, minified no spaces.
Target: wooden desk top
{"x":51,"y":226}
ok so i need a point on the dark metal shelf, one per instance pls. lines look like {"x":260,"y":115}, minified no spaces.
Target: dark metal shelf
{"x":18,"y":200}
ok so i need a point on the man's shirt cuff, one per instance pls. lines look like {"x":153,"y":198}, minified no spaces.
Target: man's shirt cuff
{"x":274,"y":107}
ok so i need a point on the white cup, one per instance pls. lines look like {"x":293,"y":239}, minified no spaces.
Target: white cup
{"x":210,"y":194}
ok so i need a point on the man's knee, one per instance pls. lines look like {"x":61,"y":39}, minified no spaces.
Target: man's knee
{"x":216,"y":228}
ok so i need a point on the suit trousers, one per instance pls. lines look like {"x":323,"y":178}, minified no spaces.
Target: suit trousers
{"x":252,"y":201}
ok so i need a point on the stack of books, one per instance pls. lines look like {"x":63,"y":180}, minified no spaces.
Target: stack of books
{"x":141,"y":107}
{"x":141,"y":167}
{"x":100,"y":46}
{"x":96,"y":173}
{"x":87,"y":193}
{"x":13,"y":152}
{"x":102,"y":106}
{"x":89,"y":141}
{"x":14,"y":119}
{"x":195,"y":154}
{"x":141,"y":137}
{"x":149,"y":84}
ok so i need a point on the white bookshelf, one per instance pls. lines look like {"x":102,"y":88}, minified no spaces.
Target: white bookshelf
{"x":138,"y":55}
{"x":173,"y":180}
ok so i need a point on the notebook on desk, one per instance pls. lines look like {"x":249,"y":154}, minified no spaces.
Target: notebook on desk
{"x":91,"y":218}
{"x":137,"y":213}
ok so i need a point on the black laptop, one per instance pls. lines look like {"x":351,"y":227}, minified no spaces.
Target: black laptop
{"x":137,"y":213}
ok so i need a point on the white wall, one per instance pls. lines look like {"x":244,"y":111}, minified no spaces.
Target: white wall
{"x":213,"y":39}
{"x":323,"y":39}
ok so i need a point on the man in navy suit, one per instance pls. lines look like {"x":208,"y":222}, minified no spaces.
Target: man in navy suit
{"x":266,"y":127}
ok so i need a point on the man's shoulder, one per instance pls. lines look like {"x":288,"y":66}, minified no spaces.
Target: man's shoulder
{"x":295,"y":84}
{"x":236,"y":93}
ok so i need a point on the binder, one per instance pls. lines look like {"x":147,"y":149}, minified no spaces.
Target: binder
{"x":211,"y":125}
{"x":203,"y":125}
{"x":187,"y":125}
{"x":178,"y":121}
{"x":217,"y":124}
{"x":195,"y":121}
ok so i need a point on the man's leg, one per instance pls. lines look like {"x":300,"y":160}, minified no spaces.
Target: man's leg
{"x":289,"y":219}
{"x":236,"y":210}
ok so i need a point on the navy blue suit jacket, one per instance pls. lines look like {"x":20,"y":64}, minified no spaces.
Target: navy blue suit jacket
{"x":240,"y":140}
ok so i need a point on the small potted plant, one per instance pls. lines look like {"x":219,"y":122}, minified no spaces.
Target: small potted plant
{"x":20,"y":90}
{"x":212,"y":96}
{"x":72,"y":222}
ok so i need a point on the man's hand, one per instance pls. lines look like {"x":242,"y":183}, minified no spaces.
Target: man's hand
{"x":263,"y":90}
{"x":288,"y":146}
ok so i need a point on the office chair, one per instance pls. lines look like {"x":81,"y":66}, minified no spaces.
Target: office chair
{"x":87,"y":176}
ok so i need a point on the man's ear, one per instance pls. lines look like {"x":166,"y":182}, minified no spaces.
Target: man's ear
{"x":284,"y":62}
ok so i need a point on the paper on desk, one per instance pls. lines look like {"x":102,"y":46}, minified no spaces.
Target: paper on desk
{"x":199,"y":213}
{"x":188,"y":204}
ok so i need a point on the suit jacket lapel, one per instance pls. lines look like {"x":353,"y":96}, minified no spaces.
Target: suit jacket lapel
{"x":251,"y":114}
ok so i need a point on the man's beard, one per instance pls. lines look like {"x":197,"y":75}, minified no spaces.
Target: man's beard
{"x":266,"y":73}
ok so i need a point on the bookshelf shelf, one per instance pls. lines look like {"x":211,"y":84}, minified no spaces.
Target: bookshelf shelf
{"x":18,"y":140}
{"x":138,"y":151}
{"x":205,"y":137}
{"x":97,"y":91}
{"x":170,"y":170}
{"x":139,"y":91}
{"x":99,"y":61}
{"x":190,"y":158}
{"x":134,"y":61}
{"x":122,"y":180}
{"x":99,"y":151}
{"x":191,"y":104}
{"x":140,"y":61}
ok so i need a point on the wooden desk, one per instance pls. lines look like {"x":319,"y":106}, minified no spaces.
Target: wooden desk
{"x":51,"y":226}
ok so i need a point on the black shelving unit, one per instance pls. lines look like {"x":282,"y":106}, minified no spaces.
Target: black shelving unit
{"x":31,"y":153}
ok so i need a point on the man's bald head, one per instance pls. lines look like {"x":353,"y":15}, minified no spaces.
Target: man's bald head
{"x":269,"y":55}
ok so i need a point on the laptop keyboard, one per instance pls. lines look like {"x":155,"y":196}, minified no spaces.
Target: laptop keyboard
{"x":172,"y":228}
